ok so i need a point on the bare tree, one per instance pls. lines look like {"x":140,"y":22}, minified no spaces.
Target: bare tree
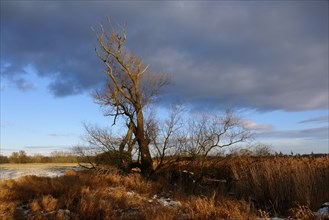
{"x":107,"y":148}
{"x":100,"y":138}
{"x":163,"y":134}
{"x":131,"y":86}
{"x":206,"y":134}
{"x":85,"y":154}
{"x":262,"y":149}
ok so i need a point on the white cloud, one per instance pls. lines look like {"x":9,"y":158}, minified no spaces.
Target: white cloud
{"x":253,"y":125}
{"x":61,"y":135}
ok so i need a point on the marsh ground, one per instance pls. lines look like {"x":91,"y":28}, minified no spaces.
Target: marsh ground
{"x":232,"y":188}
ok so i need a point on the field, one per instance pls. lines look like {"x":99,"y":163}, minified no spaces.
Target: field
{"x":231,"y":188}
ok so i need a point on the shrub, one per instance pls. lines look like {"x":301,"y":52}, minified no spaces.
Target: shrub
{"x":120,"y":160}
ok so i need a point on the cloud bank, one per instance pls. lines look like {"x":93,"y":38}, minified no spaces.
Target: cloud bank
{"x":260,"y":55}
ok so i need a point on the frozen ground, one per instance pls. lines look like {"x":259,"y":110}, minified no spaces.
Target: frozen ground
{"x":48,"y":170}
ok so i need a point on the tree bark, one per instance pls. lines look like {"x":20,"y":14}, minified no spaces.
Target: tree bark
{"x":143,"y":143}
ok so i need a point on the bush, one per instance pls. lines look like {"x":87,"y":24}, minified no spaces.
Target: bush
{"x":119,"y":160}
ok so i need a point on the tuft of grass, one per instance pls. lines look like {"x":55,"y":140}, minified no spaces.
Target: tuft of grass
{"x":212,"y":208}
{"x":264,"y":214}
{"x":45,"y":203}
{"x":302,"y":212}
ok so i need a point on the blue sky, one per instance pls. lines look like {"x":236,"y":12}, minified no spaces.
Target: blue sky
{"x":267,"y":60}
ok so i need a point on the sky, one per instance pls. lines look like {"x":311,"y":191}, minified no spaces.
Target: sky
{"x":268,"y":60}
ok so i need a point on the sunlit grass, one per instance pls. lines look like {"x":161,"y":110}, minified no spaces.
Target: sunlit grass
{"x":111,"y":196}
{"x":295,"y":186}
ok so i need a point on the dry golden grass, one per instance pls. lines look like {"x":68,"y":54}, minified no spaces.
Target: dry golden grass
{"x":264,"y":214}
{"x":110,"y":196}
{"x":275,"y":183}
{"x":284,"y":181}
{"x":45,"y":203}
{"x":212,"y":208}
{"x":302,"y":212}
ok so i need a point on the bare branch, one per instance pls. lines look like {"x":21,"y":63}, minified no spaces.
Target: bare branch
{"x":131,"y":86}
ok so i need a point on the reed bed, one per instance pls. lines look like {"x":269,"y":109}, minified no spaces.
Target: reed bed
{"x":230,"y":188}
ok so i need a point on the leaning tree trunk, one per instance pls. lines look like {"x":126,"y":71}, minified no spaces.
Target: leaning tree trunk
{"x":143,"y":143}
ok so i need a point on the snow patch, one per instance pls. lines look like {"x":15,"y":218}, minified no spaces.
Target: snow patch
{"x":164,"y":201}
{"x":323,"y":211}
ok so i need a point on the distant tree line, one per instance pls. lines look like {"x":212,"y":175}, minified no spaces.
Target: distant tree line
{"x":55,"y":157}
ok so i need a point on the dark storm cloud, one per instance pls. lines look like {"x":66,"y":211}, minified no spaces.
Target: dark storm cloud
{"x":262,"y":55}
{"x":54,"y":39}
